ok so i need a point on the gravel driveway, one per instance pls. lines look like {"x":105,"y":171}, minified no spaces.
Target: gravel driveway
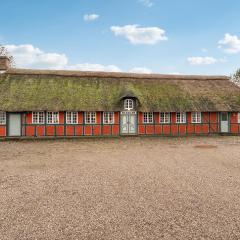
{"x":124,"y":188}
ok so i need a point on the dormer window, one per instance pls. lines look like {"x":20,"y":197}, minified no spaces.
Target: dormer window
{"x":128,"y":104}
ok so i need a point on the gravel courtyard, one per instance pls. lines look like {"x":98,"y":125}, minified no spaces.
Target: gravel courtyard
{"x":124,"y":188}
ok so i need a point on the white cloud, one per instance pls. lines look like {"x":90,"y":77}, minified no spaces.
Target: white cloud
{"x":140,"y":35}
{"x":201,"y":60}
{"x":30,"y":57}
{"x":140,"y":70}
{"x":90,"y":17}
{"x":230,"y":44}
{"x":94,"y":67}
{"x":147,"y":3}
{"x":204,"y":50}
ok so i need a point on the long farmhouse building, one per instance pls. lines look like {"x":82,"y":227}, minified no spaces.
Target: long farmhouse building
{"x":41,"y":103}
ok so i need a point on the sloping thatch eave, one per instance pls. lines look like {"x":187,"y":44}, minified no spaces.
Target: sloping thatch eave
{"x":31,"y":90}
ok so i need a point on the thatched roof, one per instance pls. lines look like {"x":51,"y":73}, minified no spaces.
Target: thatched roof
{"x":28,"y":90}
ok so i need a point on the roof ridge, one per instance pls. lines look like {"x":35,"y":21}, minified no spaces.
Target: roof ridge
{"x":69,"y":73}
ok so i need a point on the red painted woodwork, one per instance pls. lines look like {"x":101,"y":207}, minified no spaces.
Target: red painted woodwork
{"x":30,"y":130}
{"x":2,"y":131}
{"x":116,"y":117}
{"x":80,"y":117}
{"x":70,"y":130}
{"x":141,"y":129}
{"x":96,"y":130}
{"x":156,"y":117}
{"x":59,"y":130}
{"x":106,"y":129}
{"x":79,"y":130}
{"x":140,"y":118}
{"x":50,"y":130}
{"x":209,"y":124}
{"x":115,"y":130}
{"x":166,"y":129}
{"x":40,"y":130}
{"x":149,"y":129}
{"x":61,"y":117}
{"x":88,"y":130}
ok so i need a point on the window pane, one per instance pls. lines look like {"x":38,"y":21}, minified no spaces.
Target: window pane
{"x":165,"y":117}
{"x":71,"y":117}
{"x":74,"y":117}
{"x":108,"y":117}
{"x":49,"y":117}
{"x":148,"y":117}
{"x":90,"y":117}
{"x":41,"y":119}
{"x":178,"y":118}
{"x":181,"y":117}
{"x":196,"y":117}
{"x":162,"y":118}
{"x":35,"y":117}
{"x":68,"y":118}
{"x":52,"y":117}
{"x":55,"y":117}
{"x":128,"y":104}
{"x":2,"y":118}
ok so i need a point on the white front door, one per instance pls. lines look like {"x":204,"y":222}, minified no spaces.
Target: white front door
{"x":128,"y":122}
{"x":132,"y":118}
{"x":224,"y":122}
{"x":124,"y":123}
{"x":14,"y":127}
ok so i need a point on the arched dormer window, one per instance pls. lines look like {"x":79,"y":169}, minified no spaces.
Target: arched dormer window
{"x":128,"y":104}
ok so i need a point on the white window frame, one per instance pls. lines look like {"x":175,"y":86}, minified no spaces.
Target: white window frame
{"x":71,"y":117}
{"x":128,"y":104}
{"x":239,"y":117}
{"x":38,"y":119}
{"x":108,"y":118}
{"x":165,"y":117}
{"x":3,"y":118}
{"x":53,"y":118}
{"x":148,"y":117}
{"x":196,"y":117}
{"x":90,"y":117}
{"x":181,"y":117}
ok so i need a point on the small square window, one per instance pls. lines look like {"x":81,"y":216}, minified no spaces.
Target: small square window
{"x":52,"y":117}
{"x":165,"y":117}
{"x":196,"y":117}
{"x":147,"y":117}
{"x":108,"y":117}
{"x":128,"y":104}
{"x":90,"y":117}
{"x":181,"y":117}
{"x":38,"y":117}
{"x":71,"y":117}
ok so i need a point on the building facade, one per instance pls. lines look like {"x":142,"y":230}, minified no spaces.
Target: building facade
{"x":36,"y":103}
{"x":59,"y":124}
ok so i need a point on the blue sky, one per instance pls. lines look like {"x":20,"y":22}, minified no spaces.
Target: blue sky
{"x":171,"y":36}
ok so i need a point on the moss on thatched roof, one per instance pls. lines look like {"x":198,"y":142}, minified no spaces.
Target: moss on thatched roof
{"x":28,"y":90}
